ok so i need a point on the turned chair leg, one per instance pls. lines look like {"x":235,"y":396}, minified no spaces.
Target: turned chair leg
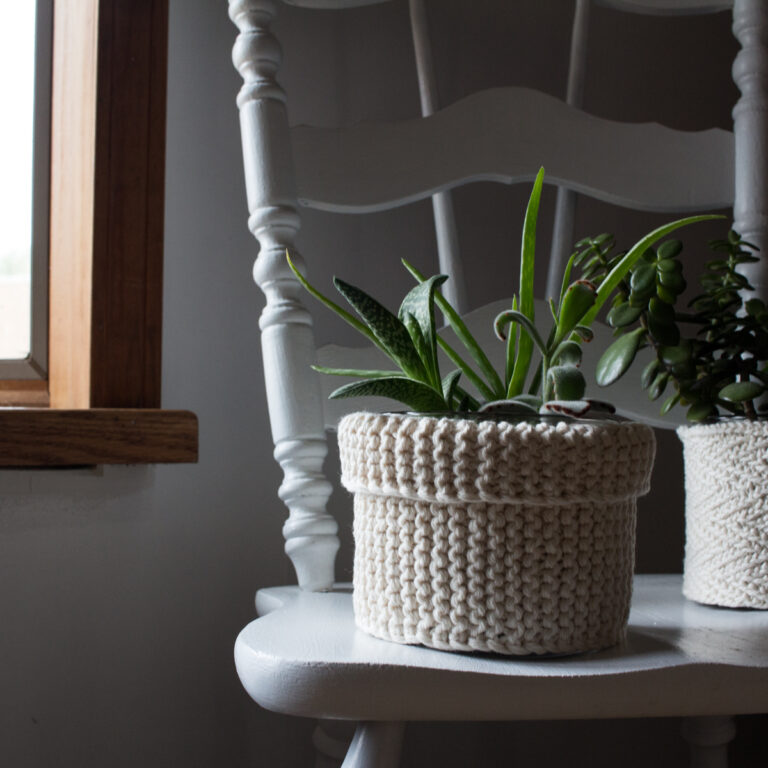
{"x":709,"y":738}
{"x":375,"y":745}
{"x":331,"y":739}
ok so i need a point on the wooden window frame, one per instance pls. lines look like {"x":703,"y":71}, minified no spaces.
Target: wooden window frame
{"x":101,"y":402}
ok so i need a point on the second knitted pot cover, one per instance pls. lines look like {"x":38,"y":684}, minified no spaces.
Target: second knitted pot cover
{"x":726,"y":513}
{"x":513,"y":538}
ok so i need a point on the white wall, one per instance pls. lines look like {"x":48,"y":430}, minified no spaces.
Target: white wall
{"x":121,"y":591}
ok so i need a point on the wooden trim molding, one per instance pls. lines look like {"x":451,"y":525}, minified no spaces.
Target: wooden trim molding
{"x":106,"y":251}
{"x":43,"y":437}
{"x":107,"y":192}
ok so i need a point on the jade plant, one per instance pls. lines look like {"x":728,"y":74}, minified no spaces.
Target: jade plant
{"x":541,"y":372}
{"x":713,"y":356}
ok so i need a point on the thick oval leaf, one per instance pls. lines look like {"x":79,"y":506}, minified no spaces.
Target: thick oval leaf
{"x":567,"y":381}
{"x":673,"y":281}
{"x":669,"y":265}
{"x":568,"y":353}
{"x":649,"y":373}
{"x":417,"y":396}
{"x":658,"y":385}
{"x":667,"y":295}
{"x":668,"y":335}
{"x":618,"y":357}
{"x":623,"y":315}
{"x":643,"y":280}
{"x":577,"y":301}
{"x":741,"y":391}
{"x":701,"y":412}
{"x":670,"y":249}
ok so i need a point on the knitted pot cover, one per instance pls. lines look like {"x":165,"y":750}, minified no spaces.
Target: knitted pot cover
{"x":492,"y":536}
{"x":726,"y":513}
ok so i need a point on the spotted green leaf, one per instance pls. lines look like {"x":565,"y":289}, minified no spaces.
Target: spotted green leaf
{"x":387,"y":328}
{"x":414,"y":394}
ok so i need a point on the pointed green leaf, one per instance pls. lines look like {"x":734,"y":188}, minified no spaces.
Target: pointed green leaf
{"x":420,"y":303}
{"x":417,"y":396}
{"x":466,"y":369}
{"x":566,"y":278}
{"x":449,"y":384}
{"x":333,"y":306}
{"x":527,"y":255}
{"x":361,"y":373}
{"x":428,"y":359}
{"x":462,"y":332}
{"x":618,"y":357}
{"x":392,"y":334}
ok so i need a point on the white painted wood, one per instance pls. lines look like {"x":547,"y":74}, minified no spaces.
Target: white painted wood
{"x":709,"y":738}
{"x":286,"y":328}
{"x":306,"y":657}
{"x":332,"y":4}
{"x":565,"y":205}
{"x":750,"y":124}
{"x":668,"y":7}
{"x":376,"y":745}
{"x":627,"y":395}
{"x":448,"y":252}
{"x":490,"y":136}
{"x":331,"y":740}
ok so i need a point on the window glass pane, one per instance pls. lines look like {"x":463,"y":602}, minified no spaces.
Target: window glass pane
{"x":17,"y":84}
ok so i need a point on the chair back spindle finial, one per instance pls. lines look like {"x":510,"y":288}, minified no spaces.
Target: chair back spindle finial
{"x":288,"y":348}
{"x":750,"y":128}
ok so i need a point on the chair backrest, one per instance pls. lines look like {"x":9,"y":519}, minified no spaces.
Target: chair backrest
{"x":487,"y":136}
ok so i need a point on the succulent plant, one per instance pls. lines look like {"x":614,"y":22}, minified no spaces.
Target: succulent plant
{"x":410,"y":339}
{"x":716,"y":365}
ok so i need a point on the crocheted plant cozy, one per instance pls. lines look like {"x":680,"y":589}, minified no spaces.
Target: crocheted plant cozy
{"x":726,"y":513}
{"x":513,"y":538}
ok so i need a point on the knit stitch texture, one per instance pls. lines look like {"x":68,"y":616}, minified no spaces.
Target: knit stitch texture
{"x":726,"y":513}
{"x":493,"y":536}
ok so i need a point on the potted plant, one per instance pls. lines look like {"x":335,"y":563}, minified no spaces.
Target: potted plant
{"x":497,"y":514}
{"x":714,"y":359}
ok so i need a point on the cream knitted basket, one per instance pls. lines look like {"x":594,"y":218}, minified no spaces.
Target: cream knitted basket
{"x":492,"y":536}
{"x":726,"y":513}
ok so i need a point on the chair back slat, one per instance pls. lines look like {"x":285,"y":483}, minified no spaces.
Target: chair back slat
{"x":490,"y":136}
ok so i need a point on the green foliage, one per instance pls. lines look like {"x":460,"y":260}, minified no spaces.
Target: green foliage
{"x":717,"y":363}
{"x":541,"y":371}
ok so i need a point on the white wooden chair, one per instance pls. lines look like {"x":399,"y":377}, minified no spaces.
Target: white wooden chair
{"x":303,"y":656}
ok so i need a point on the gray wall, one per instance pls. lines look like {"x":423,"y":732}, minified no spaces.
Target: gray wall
{"x":121,"y":591}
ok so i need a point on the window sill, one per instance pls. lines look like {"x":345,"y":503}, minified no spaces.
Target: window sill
{"x":43,"y":437}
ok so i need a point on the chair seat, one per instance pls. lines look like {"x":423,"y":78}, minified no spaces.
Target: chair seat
{"x":305,"y":656}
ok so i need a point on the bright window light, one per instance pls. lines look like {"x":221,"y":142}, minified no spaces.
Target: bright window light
{"x":17,"y":84}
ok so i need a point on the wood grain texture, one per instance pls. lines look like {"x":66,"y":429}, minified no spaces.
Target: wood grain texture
{"x":32,"y":437}
{"x":488,"y":136}
{"x":73,"y":137}
{"x":108,"y":145}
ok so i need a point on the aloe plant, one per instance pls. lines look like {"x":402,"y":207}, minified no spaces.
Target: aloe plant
{"x":541,"y":372}
{"x":717,"y":365}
